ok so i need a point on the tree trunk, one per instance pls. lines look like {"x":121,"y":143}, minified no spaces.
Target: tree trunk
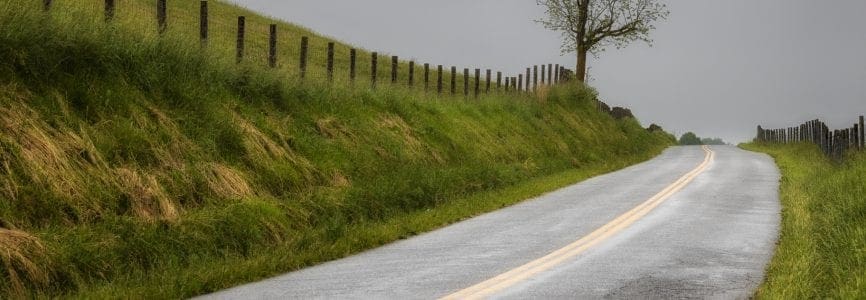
{"x":580,"y":40}
{"x":580,"y":70}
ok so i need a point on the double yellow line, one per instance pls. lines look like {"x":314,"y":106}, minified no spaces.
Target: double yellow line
{"x":510,"y":278}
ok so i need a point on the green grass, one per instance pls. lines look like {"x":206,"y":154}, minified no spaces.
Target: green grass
{"x":822,"y":247}
{"x":145,"y":166}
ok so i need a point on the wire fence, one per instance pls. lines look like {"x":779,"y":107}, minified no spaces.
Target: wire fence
{"x":227,"y":31}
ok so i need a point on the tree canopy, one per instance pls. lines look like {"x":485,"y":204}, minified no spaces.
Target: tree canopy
{"x":593,"y":25}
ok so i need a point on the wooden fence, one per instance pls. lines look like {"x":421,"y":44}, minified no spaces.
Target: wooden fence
{"x":472,"y":82}
{"x":833,"y":143}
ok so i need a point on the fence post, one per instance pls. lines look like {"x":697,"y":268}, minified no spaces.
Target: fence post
{"x":439,"y":79}
{"x":487,"y":88}
{"x":499,"y":80}
{"x":506,"y":82}
{"x":330,"y":66}
{"x":240,"y":42}
{"x":272,"y":47}
{"x":411,"y":73}
{"x":534,"y":78}
{"x":549,"y":74}
{"x":161,"y":16}
{"x":520,"y":82}
{"x":862,"y":136}
{"x":758,"y":135}
{"x":466,"y":82}
{"x":527,"y":80}
{"x":556,"y":75}
{"x":857,"y":141}
{"x":109,"y":10}
{"x":453,"y":80}
{"x":426,"y":76}
{"x":353,"y":56}
{"x":477,"y":82}
{"x":543,"y":77}
{"x":514,"y":85}
{"x":46,"y":5}
{"x":305,"y":42}
{"x":374,"y":65}
{"x":394,"y":61}
{"x":203,"y":23}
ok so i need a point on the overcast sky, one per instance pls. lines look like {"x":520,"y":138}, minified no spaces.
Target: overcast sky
{"x":718,"y":68}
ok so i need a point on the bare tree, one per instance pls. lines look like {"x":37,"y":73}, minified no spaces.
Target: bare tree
{"x":590,"y":26}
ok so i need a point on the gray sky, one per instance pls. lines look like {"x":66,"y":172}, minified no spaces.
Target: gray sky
{"x":717,"y":68}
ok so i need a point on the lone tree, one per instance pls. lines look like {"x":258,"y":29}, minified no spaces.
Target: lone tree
{"x":589,"y":26}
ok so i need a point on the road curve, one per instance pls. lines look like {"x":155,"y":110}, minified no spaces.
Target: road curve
{"x":689,"y":223}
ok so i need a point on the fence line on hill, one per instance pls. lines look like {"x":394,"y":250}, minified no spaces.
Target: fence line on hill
{"x":834,"y":143}
{"x":551,"y":74}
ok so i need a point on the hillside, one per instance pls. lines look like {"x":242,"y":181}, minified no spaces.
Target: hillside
{"x":143,"y":165}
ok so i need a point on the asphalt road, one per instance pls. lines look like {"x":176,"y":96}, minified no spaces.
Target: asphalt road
{"x":689,"y":223}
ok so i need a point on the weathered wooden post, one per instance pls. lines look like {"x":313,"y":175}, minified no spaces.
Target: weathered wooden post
{"x":426,"y":77}
{"x":556,"y":75}
{"x":439,"y":79}
{"x":543,"y":76}
{"x":239,"y":48}
{"x":394,"y":61}
{"x":857,"y":141}
{"x":353,"y":56}
{"x":487,"y":88}
{"x":527,"y":80}
{"x":549,"y":74}
{"x":507,"y":83}
{"x":305,"y":43}
{"x":862,"y":135}
{"x":499,"y":80}
{"x":514,"y":86}
{"x":109,"y":10}
{"x":477,"y":82}
{"x":466,"y":82}
{"x":161,"y":16}
{"x":411,"y":73}
{"x":330,"y":65}
{"x":758,"y":136}
{"x":535,"y":77}
{"x":453,"y":80}
{"x":520,"y":82}
{"x":203,"y":23}
{"x":374,"y":64}
{"x":272,"y":47}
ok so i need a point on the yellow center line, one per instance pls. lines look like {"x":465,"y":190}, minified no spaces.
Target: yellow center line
{"x":516,"y":275}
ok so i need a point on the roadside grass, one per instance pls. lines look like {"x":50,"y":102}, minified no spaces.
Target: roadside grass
{"x":140,"y":166}
{"x":822,"y":247}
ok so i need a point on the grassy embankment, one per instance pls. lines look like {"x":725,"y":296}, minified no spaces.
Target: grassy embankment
{"x":144,"y":166}
{"x":822,"y":246}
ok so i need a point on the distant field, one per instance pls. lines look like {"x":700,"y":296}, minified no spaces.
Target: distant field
{"x":822,"y":247}
{"x":142,"y":166}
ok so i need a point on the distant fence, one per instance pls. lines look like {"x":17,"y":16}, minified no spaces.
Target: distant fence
{"x":472,"y":82}
{"x":833,"y":143}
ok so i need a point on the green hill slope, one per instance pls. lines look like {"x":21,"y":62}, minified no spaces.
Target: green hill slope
{"x":146,"y":166}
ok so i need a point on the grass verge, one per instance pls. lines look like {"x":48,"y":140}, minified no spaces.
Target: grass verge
{"x":822,"y":247}
{"x":209,"y":276}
